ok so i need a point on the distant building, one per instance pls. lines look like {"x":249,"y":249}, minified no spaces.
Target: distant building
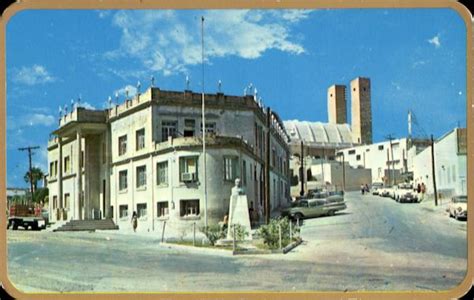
{"x":361,"y":111}
{"x":337,"y":104}
{"x":145,"y":156}
{"x":450,"y":153}
{"x":388,"y":160}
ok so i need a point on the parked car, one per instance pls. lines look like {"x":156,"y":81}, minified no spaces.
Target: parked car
{"x":457,"y":208}
{"x":386,"y":191}
{"x":26,"y":216}
{"x":376,"y":187}
{"x":311,"y":208}
{"x":405,"y":193}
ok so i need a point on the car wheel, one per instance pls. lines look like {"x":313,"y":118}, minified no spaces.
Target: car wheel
{"x":14,"y":225}
{"x":331,"y":213}
{"x":456,"y":216}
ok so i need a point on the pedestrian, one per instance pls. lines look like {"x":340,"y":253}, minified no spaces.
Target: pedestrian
{"x":134,"y":221}
{"x":362,"y":189}
{"x":418,"y":188}
{"x":225,"y":223}
{"x":423,"y":191}
{"x":366,"y":188}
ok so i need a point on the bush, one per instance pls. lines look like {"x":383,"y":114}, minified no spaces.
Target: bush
{"x":213,"y":233}
{"x":270,"y":235}
{"x":240,"y":232}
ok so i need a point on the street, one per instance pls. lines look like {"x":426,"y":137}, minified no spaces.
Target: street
{"x":375,"y":244}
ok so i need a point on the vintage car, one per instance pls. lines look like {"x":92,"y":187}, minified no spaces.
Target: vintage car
{"x":404,"y":193}
{"x":311,"y":208}
{"x":376,"y":187}
{"x":457,"y":208}
{"x":386,"y":191}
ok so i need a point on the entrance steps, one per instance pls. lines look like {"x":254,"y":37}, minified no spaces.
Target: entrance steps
{"x":88,"y":225}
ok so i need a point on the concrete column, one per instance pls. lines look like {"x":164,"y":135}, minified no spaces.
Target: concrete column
{"x":87,"y":193}
{"x":77,"y":206}
{"x":60,"y":174}
{"x":108,"y":178}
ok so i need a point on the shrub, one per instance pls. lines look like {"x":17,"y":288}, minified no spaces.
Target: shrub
{"x":240,"y":232}
{"x":213,"y":233}
{"x":270,"y":235}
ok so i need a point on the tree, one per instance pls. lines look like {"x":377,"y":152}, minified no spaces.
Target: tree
{"x":37,"y":175}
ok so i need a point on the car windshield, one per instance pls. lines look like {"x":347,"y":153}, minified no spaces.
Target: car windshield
{"x":461,"y":199}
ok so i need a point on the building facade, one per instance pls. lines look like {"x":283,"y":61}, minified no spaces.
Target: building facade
{"x":450,"y":156}
{"x":146,"y":156}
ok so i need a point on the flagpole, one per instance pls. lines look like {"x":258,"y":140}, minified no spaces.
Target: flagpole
{"x":203,"y":125}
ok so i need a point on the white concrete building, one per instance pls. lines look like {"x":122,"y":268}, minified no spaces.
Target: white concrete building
{"x":388,"y":160}
{"x":450,"y":165}
{"x":145,"y":156}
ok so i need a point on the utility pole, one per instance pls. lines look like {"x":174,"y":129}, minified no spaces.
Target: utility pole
{"x":434,"y":171}
{"x":390,"y":138}
{"x":30,"y":153}
{"x":302,"y":170}
{"x":203,"y":125}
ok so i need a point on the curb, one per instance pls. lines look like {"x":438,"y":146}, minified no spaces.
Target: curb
{"x":285,"y":250}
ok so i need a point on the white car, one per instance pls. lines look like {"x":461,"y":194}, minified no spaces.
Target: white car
{"x":458,"y":207}
{"x":376,"y":187}
{"x":405,"y":193}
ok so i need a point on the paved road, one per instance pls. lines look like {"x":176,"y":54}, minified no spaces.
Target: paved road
{"x":376,"y":244}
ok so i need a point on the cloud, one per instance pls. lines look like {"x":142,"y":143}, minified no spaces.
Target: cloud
{"x":17,"y":123}
{"x":87,"y":105}
{"x":122,"y":91}
{"x":418,"y":63}
{"x":435,"y":41}
{"x":169,"y":42}
{"x":33,"y":75}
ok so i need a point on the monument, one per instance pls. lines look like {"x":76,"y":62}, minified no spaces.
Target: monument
{"x":239,"y":211}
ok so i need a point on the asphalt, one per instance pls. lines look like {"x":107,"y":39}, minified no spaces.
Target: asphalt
{"x":376,"y":244}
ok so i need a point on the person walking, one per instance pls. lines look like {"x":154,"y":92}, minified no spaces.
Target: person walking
{"x":134,"y":221}
{"x":362,"y":188}
{"x":423,"y":191}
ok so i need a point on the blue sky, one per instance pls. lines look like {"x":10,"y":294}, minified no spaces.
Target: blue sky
{"x":415,"y":58}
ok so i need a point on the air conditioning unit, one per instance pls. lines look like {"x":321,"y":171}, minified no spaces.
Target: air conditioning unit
{"x":189,"y":177}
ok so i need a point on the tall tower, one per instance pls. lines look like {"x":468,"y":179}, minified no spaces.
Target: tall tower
{"x":337,"y":112}
{"x":361,"y":111}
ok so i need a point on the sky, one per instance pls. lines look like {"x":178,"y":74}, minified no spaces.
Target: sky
{"x":415,"y":59}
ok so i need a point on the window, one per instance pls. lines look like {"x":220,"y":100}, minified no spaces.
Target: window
{"x":189,"y":208}
{"x":140,"y":139}
{"x":188,"y":168}
{"x":210,"y":127}
{"x":231,"y":167}
{"x":141,"y":176}
{"x":67,"y":164}
{"x":358,"y":157}
{"x":67,"y":197}
{"x":273,"y":157}
{"x":122,"y":143}
{"x":55,"y":202}
{"x":380,"y":147}
{"x":162,"y":173}
{"x":123,"y":211}
{"x":352,"y":151}
{"x":141,"y":210}
{"x":53,"y":168}
{"x":104,"y":153}
{"x":189,"y":126}
{"x":244,"y":172}
{"x":162,"y":209}
{"x":123,"y":180}
{"x":168,"y":128}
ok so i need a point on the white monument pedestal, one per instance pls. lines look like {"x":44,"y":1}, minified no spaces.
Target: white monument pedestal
{"x":239,"y":214}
